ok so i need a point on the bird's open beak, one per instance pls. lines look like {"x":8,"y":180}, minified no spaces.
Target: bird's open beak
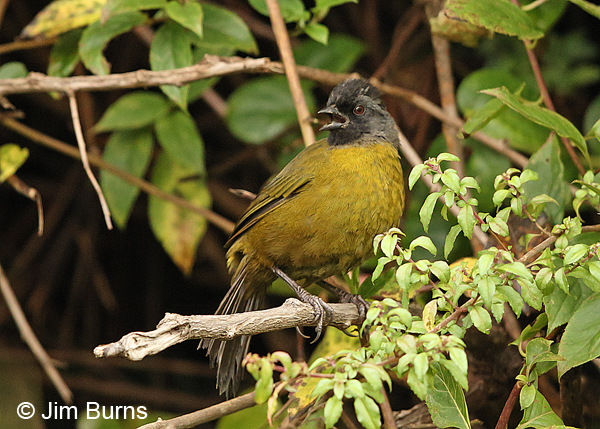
{"x":337,"y":119}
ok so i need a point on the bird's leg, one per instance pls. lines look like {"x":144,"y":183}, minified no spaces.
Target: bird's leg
{"x":323,"y":311}
{"x":348,"y":298}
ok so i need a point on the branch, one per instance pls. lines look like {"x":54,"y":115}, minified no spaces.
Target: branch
{"x":285,"y":50}
{"x":206,"y":415}
{"x":97,"y":161}
{"x":220,"y":66}
{"x":209,"y":67}
{"x":29,"y":337}
{"x":174,"y":328}
{"x":84,"y":158}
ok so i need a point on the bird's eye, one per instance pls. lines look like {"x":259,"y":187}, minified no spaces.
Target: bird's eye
{"x":359,"y":110}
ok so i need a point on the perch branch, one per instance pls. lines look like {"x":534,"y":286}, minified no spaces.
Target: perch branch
{"x":174,"y":328}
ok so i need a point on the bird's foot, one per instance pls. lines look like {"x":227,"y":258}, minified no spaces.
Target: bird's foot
{"x":348,"y":298}
{"x":323,"y":311}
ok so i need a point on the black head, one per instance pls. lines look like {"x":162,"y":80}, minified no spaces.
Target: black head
{"x":357,"y":110}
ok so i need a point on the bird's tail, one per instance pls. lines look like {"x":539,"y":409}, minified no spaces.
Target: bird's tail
{"x":227,"y":355}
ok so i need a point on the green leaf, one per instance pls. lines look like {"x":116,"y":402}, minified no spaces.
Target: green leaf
{"x":339,"y":55}
{"x":514,"y":298}
{"x":530,"y":293}
{"x":262,"y":109}
{"x":450,"y":239}
{"x":522,"y":134}
{"x":427,"y":209}
{"x":317,"y":32}
{"x":134,"y":110}
{"x":527,"y":395}
{"x":291,"y":10}
{"x":178,"y":135}
{"x":446,"y":400}
{"x":178,"y":229}
{"x":542,"y":116}
{"x":581,"y":341}
{"x":481,"y":319}
{"x":484,"y":263}
{"x":11,"y":158}
{"x":575,"y":253}
{"x":466,"y":220}
{"x":487,"y":289}
{"x":171,"y":49}
{"x":445,"y":156}
{"x":415,"y":174}
{"x":539,"y":414}
{"x":367,"y":412}
{"x":547,"y":163}
{"x":326,"y":4}
{"x":560,"y":306}
{"x":332,"y":411}
{"x":188,"y":14}
{"x":12,"y":70}
{"x":113,"y":7}
{"x":482,"y":117}
{"x":590,"y":8}
{"x":424,"y":242}
{"x":223,"y":28}
{"x":518,"y":269}
{"x":370,"y":287}
{"x":64,"y":55}
{"x":96,"y":36}
{"x":500,"y":16}
{"x":130,"y":151}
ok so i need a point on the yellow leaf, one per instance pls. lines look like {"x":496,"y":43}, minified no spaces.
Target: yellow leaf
{"x":61,"y":16}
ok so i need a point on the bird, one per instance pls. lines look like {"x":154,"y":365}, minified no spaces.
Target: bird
{"x":317,"y":218}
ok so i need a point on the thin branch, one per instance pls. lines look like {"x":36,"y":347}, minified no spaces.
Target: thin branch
{"x":389,"y":422}
{"x":174,"y":328}
{"x":31,"y":193}
{"x":84,"y":157}
{"x":95,"y":160}
{"x":205,"y":415}
{"x":29,"y":337}
{"x":509,"y":405}
{"x":21,"y":45}
{"x":441,"y":49}
{"x":220,"y":66}
{"x":211,"y":66}
{"x":289,"y":64}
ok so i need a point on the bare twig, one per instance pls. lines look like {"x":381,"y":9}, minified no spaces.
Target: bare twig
{"x":41,"y":138}
{"x":211,"y":66}
{"x":21,"y":45}
{"x":205,"y":415}
{"x":389,"y":422}
{"x":289,"y":64}
{"x":441,"y":49}
{"x":219,"y":66}
{"x":29,"y":337}
{"x":174,"y":328}
{"x":31,"y":193}
{"x":84,"y":158}
{"x":509,"y":405}
{"x":410,"y":21}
